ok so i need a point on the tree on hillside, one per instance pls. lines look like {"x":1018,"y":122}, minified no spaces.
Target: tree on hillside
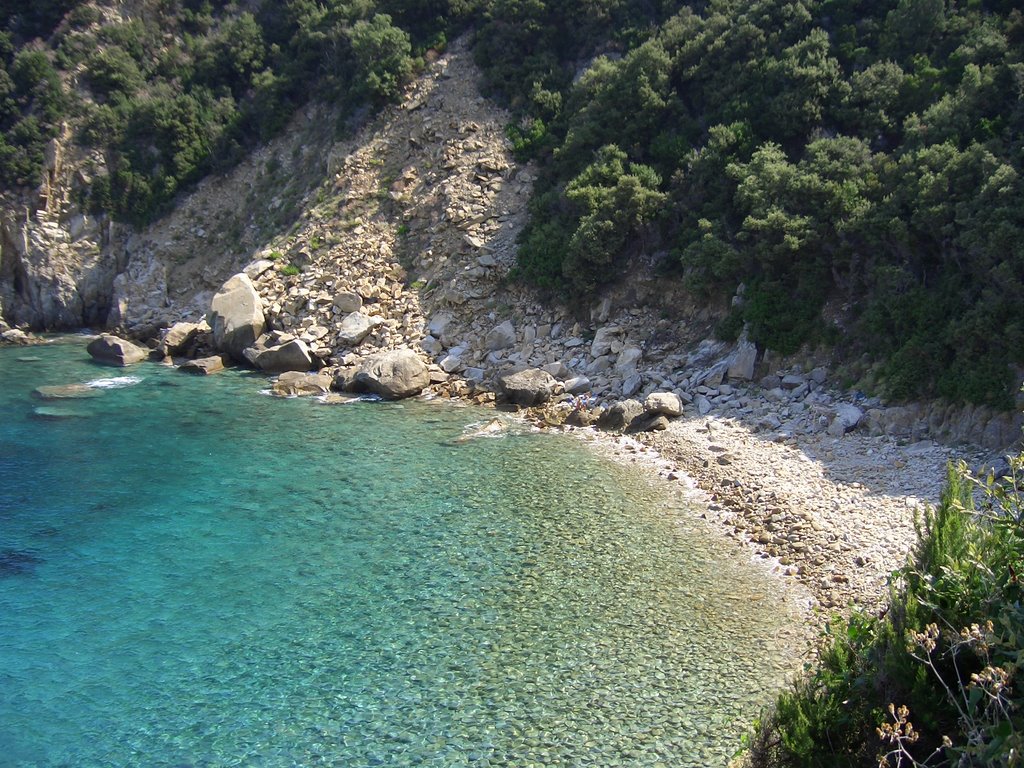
{"x":382,"y":55}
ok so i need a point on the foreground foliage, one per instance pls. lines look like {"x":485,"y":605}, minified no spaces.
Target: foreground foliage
{"x":936,"y":681}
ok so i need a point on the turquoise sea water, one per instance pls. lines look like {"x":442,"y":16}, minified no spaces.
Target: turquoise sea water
{"x":193,"y":573}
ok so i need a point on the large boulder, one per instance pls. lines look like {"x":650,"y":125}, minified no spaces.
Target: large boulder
{"x":743,"y":360}
{"x":501,"y":337}
{"x":577,"y":385}
{"x":528,"y":387}
{"x":393,"y":375}
{"x":203,"y":366}
{"x":605,"y":341}
{"x":236,"y":316}
{"x":347,"y":302}
{"x":847,"y":418}
{"x":628,"y":359}
{"x":299,"y":384}
{"x":650,"y":422}
{"x":111,"y":350}
{"x":354,"y":328}
{"x":666,"y":403}
{"x":287,"y":354}
{"x":620,"y":415}
{"x":180,"y":339}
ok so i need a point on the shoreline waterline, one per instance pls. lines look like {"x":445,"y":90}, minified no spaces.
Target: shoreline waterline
{"x":494,"y":601}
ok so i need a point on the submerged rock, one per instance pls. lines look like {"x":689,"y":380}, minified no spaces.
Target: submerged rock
{"x":66,"y":391}
{"x":490,"y":429}
{"x":18,"y":562}
{"x":112,"y":350}
{"x":50,"y":413}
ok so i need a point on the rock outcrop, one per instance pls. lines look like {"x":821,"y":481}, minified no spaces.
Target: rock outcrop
{"x":57,"y":265}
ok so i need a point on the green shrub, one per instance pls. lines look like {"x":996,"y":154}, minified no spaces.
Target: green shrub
{"x":933,"y":682}
{"x":114,"y":73}
{"x":382,"y":55}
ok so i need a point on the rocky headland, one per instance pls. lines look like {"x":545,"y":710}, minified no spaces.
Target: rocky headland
{"x":393,"y":277}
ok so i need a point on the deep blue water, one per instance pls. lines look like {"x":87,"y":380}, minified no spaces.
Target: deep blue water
{"x":193,"y":573}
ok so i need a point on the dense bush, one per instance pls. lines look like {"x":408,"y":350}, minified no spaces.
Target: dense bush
{"x":834,"y":150}
{"x":382,"y":57}
{"x":935,"y":681}
{"x":32,"y":105}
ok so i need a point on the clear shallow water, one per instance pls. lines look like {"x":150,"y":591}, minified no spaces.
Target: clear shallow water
{"x":194,"y":574}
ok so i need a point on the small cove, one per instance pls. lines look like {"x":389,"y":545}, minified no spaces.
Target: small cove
{"x":192,"y":573}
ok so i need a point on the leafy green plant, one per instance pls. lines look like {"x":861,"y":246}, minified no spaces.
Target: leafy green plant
{"x":947,"y":654}
{"x":290,"y":270}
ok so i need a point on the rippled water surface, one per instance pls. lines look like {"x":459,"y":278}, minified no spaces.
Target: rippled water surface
{"x":195,"y":574}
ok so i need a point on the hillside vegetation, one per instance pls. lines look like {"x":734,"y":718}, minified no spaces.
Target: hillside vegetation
{"x":866,"y":154}
{"x":170,"y":91}
{"x":841,"y":156}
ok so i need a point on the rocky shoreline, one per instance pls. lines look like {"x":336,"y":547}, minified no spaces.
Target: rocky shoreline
{"x":835,"y":516}
{"x":831,"y":510}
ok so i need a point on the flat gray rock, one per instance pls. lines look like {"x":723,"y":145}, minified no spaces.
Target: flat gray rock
{"x":112,"y":350}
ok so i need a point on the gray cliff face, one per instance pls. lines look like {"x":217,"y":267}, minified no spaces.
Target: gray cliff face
{"x":57,"y":265}
{"x":55,"y":274}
